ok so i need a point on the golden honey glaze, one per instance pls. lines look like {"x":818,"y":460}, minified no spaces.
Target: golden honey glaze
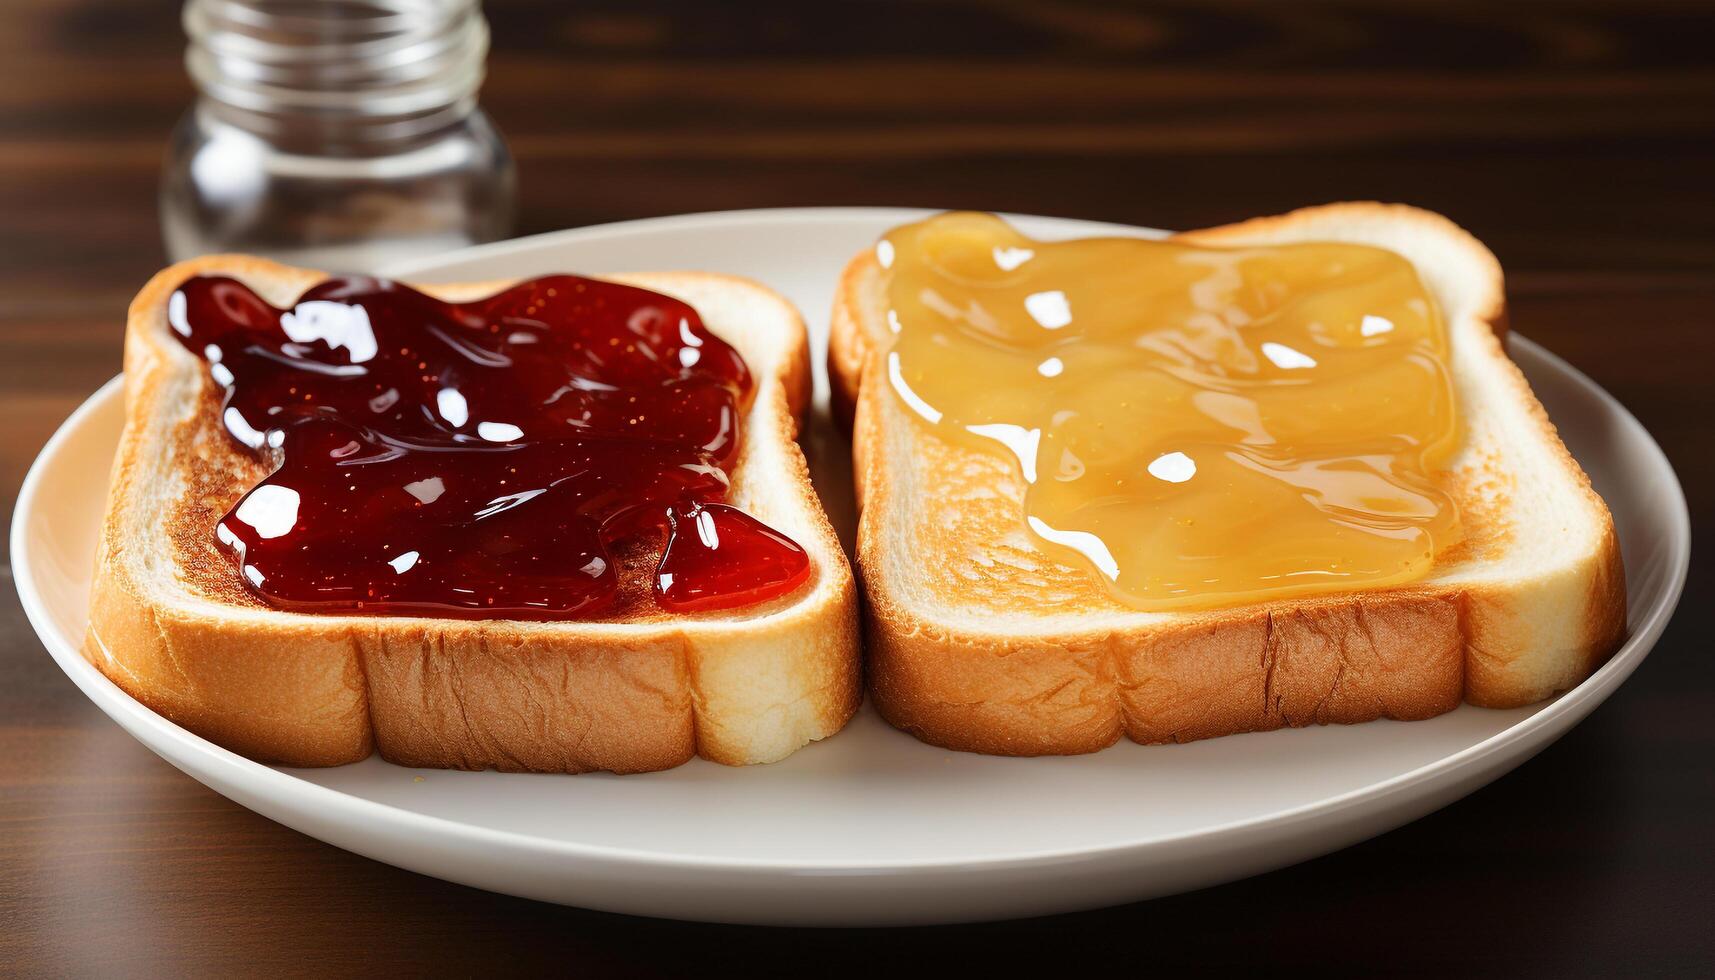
{"x":1198,"y":426}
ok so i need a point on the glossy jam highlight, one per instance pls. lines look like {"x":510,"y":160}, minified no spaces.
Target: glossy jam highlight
{"x":1197,"y":426}
{"x":484,"y":458}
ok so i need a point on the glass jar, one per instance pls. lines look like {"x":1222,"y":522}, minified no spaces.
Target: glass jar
{"x":336,"y":134}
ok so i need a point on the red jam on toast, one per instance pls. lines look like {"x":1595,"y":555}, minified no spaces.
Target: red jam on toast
{"x":482,"y":458}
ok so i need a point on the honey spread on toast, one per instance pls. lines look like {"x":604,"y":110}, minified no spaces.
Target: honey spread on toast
{"x":1198,"y":426}
{"x":481,"y":458}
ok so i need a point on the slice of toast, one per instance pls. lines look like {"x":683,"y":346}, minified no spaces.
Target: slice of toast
{"x":979,"y":641}
{"x":637,"y":690}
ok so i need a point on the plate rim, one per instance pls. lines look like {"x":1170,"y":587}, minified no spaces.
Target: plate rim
{"x":723,"y":218}
{"x":277,"y":784}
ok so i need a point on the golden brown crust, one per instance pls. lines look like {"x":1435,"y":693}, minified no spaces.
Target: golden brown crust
{"x":297,"y":700}
{"x":1407,"y":653}
{"x":1396,"y":655}
{"x":640,"y":691}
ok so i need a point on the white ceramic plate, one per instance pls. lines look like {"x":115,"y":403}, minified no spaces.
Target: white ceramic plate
{"x":869,"y":827}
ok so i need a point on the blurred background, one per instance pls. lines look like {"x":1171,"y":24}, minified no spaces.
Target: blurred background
{"x":1577,"y":139}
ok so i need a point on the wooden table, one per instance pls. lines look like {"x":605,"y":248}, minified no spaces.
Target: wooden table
{"x":1578,"y":140}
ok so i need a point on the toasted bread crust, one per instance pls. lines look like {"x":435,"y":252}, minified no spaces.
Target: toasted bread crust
{"x":1063,"y":686}
{"x":635,"y":692}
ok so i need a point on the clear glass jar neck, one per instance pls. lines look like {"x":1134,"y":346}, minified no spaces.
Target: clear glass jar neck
{"x":337,"y":72}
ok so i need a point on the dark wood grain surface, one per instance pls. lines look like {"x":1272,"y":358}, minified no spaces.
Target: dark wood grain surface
{"x":1577,"y":139}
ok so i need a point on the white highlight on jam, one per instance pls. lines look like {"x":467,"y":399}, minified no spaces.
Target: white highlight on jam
{"x":1083,"y":542}
{"x":236,"y":425}
{"x":1009,"y":259}
{"x":271,"y":509}
{"x":917,"y":404}
{"x":1050,"y":309}
{"x":706,"y":531}
{"x":427,"y":490}
{"x":177,"y":309}
{"x":452,"y":406}
{"x":1173,"y":467}
{"x":1023,"y":443}
{"x":1287,"y":358}
{"x":499,"y":431}
{"x":335,"y":324}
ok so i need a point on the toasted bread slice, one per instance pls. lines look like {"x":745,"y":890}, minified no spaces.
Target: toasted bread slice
{"x":638,"y":690}
{"x":978,"y":641}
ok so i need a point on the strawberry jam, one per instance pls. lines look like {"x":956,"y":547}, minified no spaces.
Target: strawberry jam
{"x":483,"y":458}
